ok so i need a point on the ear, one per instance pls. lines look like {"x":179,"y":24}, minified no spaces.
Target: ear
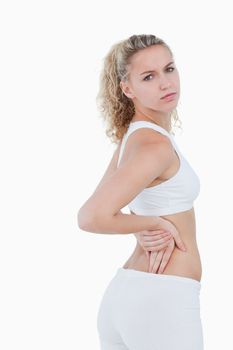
{"x":126,"y":90}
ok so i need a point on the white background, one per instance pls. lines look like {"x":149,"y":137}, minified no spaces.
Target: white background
{"x":54,"y":151}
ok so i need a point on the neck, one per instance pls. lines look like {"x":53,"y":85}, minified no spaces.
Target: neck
{"x":163,"y":120}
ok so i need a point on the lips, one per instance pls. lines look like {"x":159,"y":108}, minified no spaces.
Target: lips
{"x":171,"y":94}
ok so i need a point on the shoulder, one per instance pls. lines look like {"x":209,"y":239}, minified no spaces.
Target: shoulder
{"x":145,"y":135}
{"x":147,"y":141}
{"x":148,"y":152}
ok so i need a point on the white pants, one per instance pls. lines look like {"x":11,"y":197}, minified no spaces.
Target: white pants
{"x":147,"y":311}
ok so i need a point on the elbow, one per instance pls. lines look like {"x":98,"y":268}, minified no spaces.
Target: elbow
{"x":89,"y":221}
{"x":96,"y":223}
{"x":84,"y":220}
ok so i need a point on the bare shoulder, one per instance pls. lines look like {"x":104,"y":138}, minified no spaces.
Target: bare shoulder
{"x":146,"y":140}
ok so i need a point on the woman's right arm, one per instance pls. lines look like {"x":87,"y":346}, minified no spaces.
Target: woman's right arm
{"x":101,"y":212}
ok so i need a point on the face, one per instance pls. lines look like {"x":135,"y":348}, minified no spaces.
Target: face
{"x":151,"y":76}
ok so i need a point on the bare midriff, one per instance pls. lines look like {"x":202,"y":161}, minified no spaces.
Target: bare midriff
{"x":185,"y":264}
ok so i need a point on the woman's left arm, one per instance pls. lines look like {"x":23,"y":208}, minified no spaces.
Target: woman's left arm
{"x":154,"y":258}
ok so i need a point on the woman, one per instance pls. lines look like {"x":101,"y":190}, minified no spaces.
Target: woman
{"x":152,"y":302}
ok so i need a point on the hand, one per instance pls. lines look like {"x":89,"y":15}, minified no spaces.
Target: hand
{"x":153,"y":240}
{"x":159,"y":238}
{"x":166,"y":225}
{"x":161,"y":258}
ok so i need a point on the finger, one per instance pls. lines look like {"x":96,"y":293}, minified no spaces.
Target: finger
{"x":166,"y":256}
{"x":156,"y":242}
{"x":153,"y":232}
{"x":156,"y":248}
{"x":164,"y":262}
{"x":159,"y":241}
{"x":152,"y":259}
{"x":156,"y":237}
{"x":157,"y":261}
{"x":179,"y":241}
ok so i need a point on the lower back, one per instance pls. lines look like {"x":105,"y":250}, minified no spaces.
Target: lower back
{"x":185,"y":264}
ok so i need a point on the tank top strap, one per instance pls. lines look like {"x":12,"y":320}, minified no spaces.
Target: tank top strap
{"x":145,"y":124}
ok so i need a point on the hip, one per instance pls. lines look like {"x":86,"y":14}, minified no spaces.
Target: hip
{"x":154,"y":311}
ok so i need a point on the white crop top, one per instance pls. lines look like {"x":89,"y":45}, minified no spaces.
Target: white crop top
{"x":171,"y":196}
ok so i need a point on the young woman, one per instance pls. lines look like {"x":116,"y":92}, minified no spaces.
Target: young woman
{"x":152,"y":302}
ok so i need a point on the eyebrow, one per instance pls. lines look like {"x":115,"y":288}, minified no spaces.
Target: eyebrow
{"x":149,"y":71}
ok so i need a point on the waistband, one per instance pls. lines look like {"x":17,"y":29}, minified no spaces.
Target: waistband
{"x":136,"y":273}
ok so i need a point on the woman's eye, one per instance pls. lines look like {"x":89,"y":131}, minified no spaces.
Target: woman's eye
{"x":150,"y":75}
{"x":171,"y":68}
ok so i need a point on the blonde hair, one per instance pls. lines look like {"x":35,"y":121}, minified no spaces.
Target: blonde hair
{"x":116,"y":108}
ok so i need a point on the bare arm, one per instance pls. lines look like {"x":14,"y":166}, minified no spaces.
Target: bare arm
{"x":101,"y":212}
{"x":111,"y":168}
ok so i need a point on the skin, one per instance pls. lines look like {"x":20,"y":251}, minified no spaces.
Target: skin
{"x":152,"y":242}
{"x":147,"y":82}
{"x":146,"y":91}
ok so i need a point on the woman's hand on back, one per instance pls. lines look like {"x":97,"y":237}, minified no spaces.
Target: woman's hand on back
{"x":158,"y":260}
{"x":155,"y":240}
{"x":159,"y":244}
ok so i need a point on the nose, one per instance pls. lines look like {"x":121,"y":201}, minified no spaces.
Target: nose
{"x":164,"y":82}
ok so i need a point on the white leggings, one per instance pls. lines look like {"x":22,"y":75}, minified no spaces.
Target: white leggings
{"x":147,"y":311}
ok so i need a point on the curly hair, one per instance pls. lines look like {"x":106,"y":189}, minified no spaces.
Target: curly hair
{"x":116,"y":108}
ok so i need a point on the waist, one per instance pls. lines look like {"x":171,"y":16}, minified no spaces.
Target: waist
{"x":185,"y":264}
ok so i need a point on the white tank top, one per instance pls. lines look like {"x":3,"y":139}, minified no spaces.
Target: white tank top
{"x":171,"y":196}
